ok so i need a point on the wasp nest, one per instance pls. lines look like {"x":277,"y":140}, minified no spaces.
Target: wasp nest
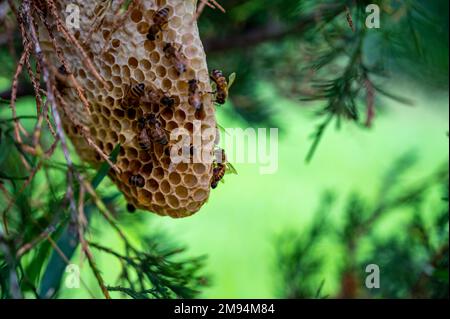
{"x":150,"y":66}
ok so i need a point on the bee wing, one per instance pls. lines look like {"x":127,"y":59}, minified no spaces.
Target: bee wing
{"x":231,"y":169}
{"x":231,"y":79}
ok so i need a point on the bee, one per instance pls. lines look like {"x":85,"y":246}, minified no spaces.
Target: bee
{"x":133,"y":95}
{"x":218,"y":174}
{"x":167,"y":101}
{"x":137,"y":91}
{"x":144,"y":140}
{"x":221,"y":86}
{"x":142,"y":122}
{"x":160,"y":19}
{"x":137,"y":180}
{"x":221,"y":167}
{"x":157,"y":133}
{"x":195,"y":99}
{"x":177,"y":58}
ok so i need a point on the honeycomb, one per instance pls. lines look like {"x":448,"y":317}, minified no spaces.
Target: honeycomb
{"x":124,"y":57}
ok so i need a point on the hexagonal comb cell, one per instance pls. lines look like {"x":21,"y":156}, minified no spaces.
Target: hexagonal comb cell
{"x":146,"y":64}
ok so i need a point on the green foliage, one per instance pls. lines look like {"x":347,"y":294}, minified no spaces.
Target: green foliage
{"x":40,"y":235}
{"x":156,"y":272}
{"x":297,"y":261}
